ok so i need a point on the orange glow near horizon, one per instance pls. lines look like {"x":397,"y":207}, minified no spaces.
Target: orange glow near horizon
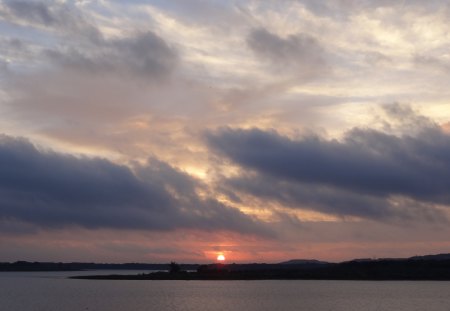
{"x":221,"y":257}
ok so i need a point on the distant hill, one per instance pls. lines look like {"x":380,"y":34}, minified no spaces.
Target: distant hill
{"x":432,"y":257}
{"x":303,"y":262}
{"x":424,"y":257}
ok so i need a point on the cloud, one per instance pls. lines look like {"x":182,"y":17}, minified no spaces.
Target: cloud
{"x":60,"y":17}
{"x":367,"y":173}
{"x":97,"y":84}
{"x":300,"y":53}
{"x":345,"y":8}
{"x":53,"y":190}
{"x":36,"y":12}
{"x":329,"y":199}
{"x":435,"y":63}
{"x":143,"y":54}
{"x":79,"y":43}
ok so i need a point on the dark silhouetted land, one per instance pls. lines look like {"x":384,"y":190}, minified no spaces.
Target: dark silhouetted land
{"x":432,"y":267}
{"x":429,"y":267}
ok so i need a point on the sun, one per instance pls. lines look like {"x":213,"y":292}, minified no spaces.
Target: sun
{"x":221,"y":257}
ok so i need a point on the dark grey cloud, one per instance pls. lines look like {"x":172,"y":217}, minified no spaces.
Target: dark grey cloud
{"x":53,"y":190}
{"x":329,"y":199}
{"x":78,"y":44}
{"x":300,"y":53}
{"x":61,"y":17}
{"x":143,"y":54}
{"x":439,"y":64}
{"x":37,"y":12}
{"x":16,"y":50}
{"x":361,"y":174}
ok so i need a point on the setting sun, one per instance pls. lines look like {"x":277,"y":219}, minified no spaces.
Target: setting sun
{"x":221,"y":257}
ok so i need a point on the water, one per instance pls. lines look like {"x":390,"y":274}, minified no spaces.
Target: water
{"x":52,"y":291}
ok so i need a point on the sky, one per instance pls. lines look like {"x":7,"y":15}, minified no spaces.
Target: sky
{"x":153,"y":131}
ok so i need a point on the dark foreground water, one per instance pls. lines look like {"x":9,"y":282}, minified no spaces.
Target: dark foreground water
{"x":51,"y":291}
